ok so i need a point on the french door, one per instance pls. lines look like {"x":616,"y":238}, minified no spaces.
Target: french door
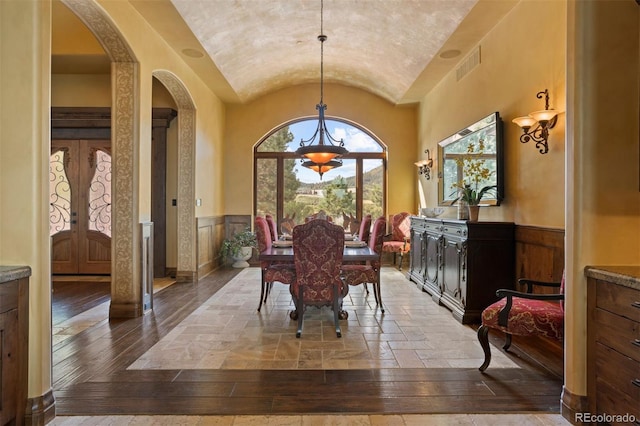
{"x":80,"y":206}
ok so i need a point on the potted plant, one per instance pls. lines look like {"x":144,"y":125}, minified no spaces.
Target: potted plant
{"x":239,"y":247}
{"x":475,"y":173}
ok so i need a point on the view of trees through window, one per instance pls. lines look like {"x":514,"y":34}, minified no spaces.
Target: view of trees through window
{"x":290,"y":192}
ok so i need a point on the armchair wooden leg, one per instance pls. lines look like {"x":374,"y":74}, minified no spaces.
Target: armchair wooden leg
{"x":300,"y":310}
{"x":483,"y":338}
{"x":400,"y":264}
{"x":366,"y":289}
{"x":507,"y":342}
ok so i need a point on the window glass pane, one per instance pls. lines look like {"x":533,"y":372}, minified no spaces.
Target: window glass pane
{"x":280,"y":141}
{"x":266,"y":177}
{"x":59,"y":194}
{"x":288,"y":138}
{"x":373,"y":180}
{"x":100,"y":195}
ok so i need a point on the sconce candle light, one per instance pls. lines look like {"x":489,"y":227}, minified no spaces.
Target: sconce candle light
{"x":424,"y":166}
{"x":542,"y":120}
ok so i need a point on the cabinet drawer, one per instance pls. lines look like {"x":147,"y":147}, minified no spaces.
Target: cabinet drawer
{"x":622,"y":300}
{"x":459,"y":231}
{"x":611,"y":401}
{"x":8,"y":296}
{"x":619,"y":371}
{"x":618,"y":333}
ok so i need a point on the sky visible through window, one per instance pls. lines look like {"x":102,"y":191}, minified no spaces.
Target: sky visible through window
{"x":355,"y":140}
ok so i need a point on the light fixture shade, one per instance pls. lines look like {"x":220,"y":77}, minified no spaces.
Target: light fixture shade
{"x":544,"y":115}
{"x":322,"y":168}
{"x":525,"y":122}
{"x":321,"y":154}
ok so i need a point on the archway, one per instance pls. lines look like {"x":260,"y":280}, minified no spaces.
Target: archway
{"x":186,"y":262}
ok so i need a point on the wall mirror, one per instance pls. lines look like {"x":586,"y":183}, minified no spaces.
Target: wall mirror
{"x":475,"y":151}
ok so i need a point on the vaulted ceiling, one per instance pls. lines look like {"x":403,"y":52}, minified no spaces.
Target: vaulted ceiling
{"x":243,"y":49}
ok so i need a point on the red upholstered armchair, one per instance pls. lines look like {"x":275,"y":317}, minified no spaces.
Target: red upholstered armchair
{"x":399,"y":238}
{"x":369,"y":272}
{"x":523,"y":314}
{"x":271,"y":271}
{"x":317,"y":253}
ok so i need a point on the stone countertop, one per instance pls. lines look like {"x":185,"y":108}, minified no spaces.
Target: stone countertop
{"x":11,"y":273}
{"x":628,"y":276}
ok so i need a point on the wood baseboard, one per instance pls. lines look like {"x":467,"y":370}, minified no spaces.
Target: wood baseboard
{"x":40,"y":410}
{"x":573,"y":404}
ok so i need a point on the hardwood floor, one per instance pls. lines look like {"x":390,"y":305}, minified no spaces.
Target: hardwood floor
{"x":91,"y":378}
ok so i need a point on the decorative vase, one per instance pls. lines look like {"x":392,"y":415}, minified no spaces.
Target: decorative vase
{"x":473,"y":213}
{"x":240,"y":260}
{"x":463,"y":210}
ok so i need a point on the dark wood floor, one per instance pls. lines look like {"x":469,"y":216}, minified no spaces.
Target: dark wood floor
{"x":90,"y":375}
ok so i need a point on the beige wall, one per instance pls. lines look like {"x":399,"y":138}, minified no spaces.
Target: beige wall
{"x":519,"y":58}
{"x":603,"y":160}
{"x":247,"y":124}
{"x":24,"y":160}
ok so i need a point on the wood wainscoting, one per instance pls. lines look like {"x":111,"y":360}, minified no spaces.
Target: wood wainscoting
{"x":210,"y":234}
{"x":539,"y":253}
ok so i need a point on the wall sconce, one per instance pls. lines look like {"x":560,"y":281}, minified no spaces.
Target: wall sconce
{"x":542,"y":120}
{"x":424,"y":166}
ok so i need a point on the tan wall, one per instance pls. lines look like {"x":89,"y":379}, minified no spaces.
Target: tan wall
{"x":24,"y":160}
{"x":603,"y":140}
{"x":247,"y":124}
{"x":519,"y":58}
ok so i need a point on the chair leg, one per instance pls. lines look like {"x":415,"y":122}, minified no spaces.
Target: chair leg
{"x":507,"y":342}
{"x":379,"y":298}
{"x":366,"y":289}
{"x":400,"y":264}
{"x":483,"y":338}
{"x":263,"y":291}
{"x":336,"y":310}
{"x":300,"y":310}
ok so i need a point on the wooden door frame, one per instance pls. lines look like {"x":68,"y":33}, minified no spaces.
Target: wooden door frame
{"x":95,"y":123}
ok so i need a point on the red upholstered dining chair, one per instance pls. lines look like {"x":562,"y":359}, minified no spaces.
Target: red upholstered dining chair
{"x":398,"y":242}
{"x":365,"y":229}
{"x":272,"y":227}
{"x":369,"y":272}
{"x":523,"y":314}
{"x":317,"y":253}
{"x":270,"y":271}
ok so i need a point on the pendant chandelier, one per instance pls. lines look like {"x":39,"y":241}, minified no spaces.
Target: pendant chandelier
{"x":325,"y":154}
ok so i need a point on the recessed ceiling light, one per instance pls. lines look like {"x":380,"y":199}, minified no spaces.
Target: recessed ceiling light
{"x":192,"y":53}
{"x":448,"y":54}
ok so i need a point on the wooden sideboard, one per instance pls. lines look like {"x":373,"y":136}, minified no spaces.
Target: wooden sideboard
{"x":14,"y":329}
{"x":461,"y":264}
{"x":613,"y":344}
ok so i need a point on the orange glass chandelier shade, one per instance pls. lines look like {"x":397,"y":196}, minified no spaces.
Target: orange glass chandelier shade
{"x":322,"y":168}
{"x":321,"y":153}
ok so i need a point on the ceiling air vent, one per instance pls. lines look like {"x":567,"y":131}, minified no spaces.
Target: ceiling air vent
{"x":470,"y":62}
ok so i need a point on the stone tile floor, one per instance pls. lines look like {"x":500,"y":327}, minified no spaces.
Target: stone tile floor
{"x":227,"y":332}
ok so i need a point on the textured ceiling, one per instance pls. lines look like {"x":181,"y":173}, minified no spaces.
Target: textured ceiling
{"x":243,"y":49}
{"x":381,"y":46}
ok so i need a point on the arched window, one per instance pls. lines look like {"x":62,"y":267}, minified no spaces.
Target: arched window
{"x":286,"y":190}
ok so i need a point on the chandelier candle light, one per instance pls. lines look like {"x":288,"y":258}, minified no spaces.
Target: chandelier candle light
{"x":325,"y":155}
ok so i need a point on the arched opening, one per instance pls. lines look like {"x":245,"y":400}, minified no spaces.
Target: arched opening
{"x":290,"y":192}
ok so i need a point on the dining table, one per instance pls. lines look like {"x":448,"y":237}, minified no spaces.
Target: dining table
{"x":351,"y":253}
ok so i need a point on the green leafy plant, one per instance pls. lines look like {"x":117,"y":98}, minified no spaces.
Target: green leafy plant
{"x":474,"y":172}
{"x":232,"y":246}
